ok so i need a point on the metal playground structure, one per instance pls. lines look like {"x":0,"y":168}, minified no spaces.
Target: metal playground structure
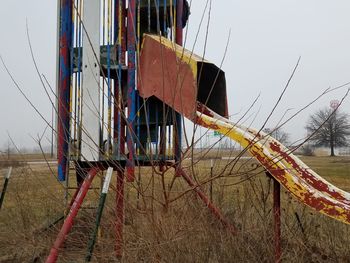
{"x":124,"y":86}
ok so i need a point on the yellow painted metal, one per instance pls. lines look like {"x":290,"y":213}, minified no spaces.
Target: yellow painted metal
{"x":295,"y":176}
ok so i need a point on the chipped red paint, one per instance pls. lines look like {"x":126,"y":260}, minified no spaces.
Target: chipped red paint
{"x":165,"y":76}
{"x":306,"y":175}
{"x":334,"y":208}
{"x":257,"y":134}
{"x":202,"y":123}
{"x":279,"y":174}
{"x":204,"y":109}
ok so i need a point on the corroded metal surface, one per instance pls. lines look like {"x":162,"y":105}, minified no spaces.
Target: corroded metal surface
{"x":295,"y":176}
{"x":180,"y":78}
{"x":163,"y":63}
{"x":63,"y":90}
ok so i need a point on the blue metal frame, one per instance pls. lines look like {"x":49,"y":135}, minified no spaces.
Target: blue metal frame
{"x":64,"y":82}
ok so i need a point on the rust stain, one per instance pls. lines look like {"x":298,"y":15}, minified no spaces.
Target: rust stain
{"x":305,"y":174}
{"x":204,"y":109}
{"x":205,"y":124}
{"x":307,"y":187}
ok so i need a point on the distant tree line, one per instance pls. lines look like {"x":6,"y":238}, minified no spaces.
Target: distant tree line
{"x":326,"y":127}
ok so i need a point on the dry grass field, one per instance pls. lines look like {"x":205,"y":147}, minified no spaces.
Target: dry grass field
{"x":166,"y":222}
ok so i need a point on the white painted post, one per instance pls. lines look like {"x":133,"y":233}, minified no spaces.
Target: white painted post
{"x":107,"y":180}
{"x":90,"y":144}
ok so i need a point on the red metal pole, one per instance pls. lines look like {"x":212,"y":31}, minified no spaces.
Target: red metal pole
{"x":215,"y":210}
{"x":119,"y":214}
{"x":68,"y":223}
{"x":277,"y":219}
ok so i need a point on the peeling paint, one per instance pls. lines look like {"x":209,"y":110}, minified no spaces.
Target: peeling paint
{"x":298,"y":179}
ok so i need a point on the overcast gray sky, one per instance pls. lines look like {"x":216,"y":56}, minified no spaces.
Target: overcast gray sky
{"x":267,"y":38}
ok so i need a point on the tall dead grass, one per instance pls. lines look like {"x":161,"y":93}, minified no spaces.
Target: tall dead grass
{"x":182,"y":230}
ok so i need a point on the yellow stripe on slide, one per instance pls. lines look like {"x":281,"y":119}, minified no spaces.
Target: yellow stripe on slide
{"x":307,"y":186}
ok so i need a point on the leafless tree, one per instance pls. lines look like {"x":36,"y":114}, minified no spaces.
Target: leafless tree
{"x":330,"y":128}
{"x":279,"y":134}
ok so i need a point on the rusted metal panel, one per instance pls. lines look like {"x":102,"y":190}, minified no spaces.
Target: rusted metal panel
{"x":296,"y":177}
{"x":157,"y":78}
{"x":180,"y":78}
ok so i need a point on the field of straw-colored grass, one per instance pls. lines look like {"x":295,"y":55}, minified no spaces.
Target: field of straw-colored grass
{"x":166,"y":222}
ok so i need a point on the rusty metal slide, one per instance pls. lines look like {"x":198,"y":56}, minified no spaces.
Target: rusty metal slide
{"x":196,"y":89}
{"x":295,"y":176}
